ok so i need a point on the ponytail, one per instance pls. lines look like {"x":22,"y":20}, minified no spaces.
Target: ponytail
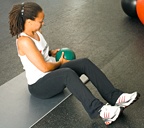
{"x":19,"y":14}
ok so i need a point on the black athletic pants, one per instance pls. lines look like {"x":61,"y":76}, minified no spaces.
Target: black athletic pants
{"x":68,"y":76}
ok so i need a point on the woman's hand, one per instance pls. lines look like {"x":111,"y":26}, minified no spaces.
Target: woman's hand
{"x":62,"y":59}
{"x":53,"y":52}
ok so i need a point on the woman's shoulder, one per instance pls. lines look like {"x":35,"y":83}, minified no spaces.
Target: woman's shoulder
{"x":24,"y":41}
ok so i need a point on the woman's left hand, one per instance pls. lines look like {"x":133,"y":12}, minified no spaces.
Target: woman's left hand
{"x":53,"y":52}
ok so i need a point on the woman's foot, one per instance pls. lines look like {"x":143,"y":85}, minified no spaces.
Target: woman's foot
{"x":109,"y":113}
{"x":127,"y":99}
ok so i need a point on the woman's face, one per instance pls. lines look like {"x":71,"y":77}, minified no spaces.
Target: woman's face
{"x":38,"y":22}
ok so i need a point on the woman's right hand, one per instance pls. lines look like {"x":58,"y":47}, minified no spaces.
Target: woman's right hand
{"x":62,"y":59}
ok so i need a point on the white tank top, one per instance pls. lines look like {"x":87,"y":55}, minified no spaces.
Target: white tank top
{"x":33,"y":74}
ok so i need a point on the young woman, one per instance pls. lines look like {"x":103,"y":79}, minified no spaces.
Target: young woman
{"x":46,"y":78}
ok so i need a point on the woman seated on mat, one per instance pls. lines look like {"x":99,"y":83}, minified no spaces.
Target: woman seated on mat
{"x":47,"y":78}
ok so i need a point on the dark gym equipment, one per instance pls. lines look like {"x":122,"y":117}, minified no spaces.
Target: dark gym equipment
{"x":129,"y":7}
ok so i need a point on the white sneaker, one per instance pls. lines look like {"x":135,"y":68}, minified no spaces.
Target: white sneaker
{"x":127,"y":99}
{"x":109,"y":113}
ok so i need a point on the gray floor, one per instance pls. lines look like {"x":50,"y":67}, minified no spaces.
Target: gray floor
{"x":97,"y":29}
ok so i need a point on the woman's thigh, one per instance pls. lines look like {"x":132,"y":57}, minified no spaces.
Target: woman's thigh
{"x":77,"y":65}
{"x":51,"y":84}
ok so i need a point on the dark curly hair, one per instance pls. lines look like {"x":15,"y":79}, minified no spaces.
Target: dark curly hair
{"x":19,"y":14}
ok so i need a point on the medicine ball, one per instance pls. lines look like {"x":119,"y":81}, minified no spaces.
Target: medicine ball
{"x":68,"y":54}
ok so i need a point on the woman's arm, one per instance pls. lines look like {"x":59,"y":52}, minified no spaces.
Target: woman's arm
{"x":27,"y":47}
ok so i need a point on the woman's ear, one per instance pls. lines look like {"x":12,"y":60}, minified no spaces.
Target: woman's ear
{"x":28,"y":21}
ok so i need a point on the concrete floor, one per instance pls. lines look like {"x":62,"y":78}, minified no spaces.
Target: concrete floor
{"x":99,"y":30}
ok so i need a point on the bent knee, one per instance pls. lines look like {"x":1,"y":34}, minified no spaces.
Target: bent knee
{"x":68,"y":70}
{"x":85,"y":60}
